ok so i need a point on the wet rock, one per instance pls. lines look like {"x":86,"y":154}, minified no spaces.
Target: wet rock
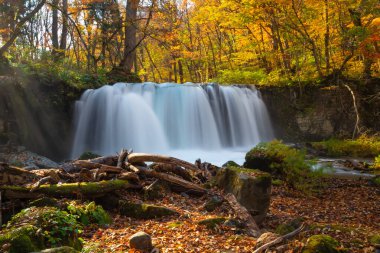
{"x":144,"y":211}
{"x":252,"y":188}
{"x":141,"y":241}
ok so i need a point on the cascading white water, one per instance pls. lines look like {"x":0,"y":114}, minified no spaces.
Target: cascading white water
{"x":189,"y":120}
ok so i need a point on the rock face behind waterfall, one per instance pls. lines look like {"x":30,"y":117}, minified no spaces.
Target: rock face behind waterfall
{"x":252,"y":188}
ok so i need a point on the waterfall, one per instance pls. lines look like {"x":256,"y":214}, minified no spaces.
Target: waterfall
{"x":170,"y":118}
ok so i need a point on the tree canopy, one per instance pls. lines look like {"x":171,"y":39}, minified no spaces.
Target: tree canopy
{"x":229,"y":41}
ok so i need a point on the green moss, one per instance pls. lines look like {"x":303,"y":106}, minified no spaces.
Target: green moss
{"x":284,"y":163}
{"x":364,"y":146}
{"x":375,"y":239}
{"x":176,"y":224}
{"x":321,"y":244}
{"x":230,"y":163}
{"x":55,"y":227}
{"x":21,"y":239}
{"x":212,"y":223}
{"x":88,"y":155}
{"x":144,"y":211}
{"x":277,"y":182}
{"x":73,"y":189}
{"x":376,"y":181}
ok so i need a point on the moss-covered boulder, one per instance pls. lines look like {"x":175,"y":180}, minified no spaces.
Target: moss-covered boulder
{"x":322,"y":244}
{"x":88,"y":155}
{"x":23,"y":239}
{"x":212,"y":223}
{"x":288,"y":227}
{"x":144,"y":211}
{"x":252,"y":188}
{"x":230,"y":163}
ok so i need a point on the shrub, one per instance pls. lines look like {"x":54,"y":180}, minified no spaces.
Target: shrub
{"x":285,"y":163}
{"x":89,"y":213}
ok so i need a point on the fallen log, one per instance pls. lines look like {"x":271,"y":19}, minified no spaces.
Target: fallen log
{"x":102,"y":167}
{"x":142,"y":157}
{"x":243,"y":214}
{"x":87,"y":189}
{"x":188,"y":186}
{"x":171,"y":168}
{"x":121,"y":159}
{"x":14,"y":175}
{"x":279,"y":240}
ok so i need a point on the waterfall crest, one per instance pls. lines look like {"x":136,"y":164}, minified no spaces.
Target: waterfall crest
{"x":152,"y":117}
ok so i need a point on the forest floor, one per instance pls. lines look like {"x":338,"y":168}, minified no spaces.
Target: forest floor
{"x":346,"y":209}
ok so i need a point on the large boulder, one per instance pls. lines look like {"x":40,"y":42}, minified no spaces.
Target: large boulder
{"x":252,"y":188}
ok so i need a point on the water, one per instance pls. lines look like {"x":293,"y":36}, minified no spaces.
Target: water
{"x":189,"y":121}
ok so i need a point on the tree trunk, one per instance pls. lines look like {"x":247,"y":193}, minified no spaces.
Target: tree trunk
{"x":54,"y":29}
{"x":130,"y":36}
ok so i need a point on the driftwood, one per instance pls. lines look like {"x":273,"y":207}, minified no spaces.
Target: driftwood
{"x":188,"y":186}
{"x":243,"y":214}
{"x":102,"y":167}
{"x":142,"y":157}
{"x":279,"y":240}
{"x":121,"y":159}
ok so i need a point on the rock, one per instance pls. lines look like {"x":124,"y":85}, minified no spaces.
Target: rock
{"x":321,"y":244}
{"x":252,"y":189}
{"x":28,"y":160}
{"x":64,"y":249}
{"x":213,"y":203}
{"x":141,"y":241}
{"x":20,"y":240}
{"x":144,"y":211}
{"x":259,"y":158}
{"x":288,"y":227}
{"x":212,"y":223}
{"x":88,"y":155}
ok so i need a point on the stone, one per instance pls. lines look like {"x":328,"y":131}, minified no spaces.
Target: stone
{"x":144,"y":211}
{"x":321,"y":244}
{"x":156,"y":190}
{"x":141,"y":241}
{"x":213,"y":203}
{"x":288,"y":227}
{"x":252,"y":189}
{"x":212,"y":223}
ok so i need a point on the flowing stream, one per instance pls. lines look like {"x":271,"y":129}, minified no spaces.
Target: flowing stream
{"x":189,"y":121}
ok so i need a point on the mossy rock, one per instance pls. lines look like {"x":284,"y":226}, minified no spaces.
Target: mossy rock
{"x":144,"y":211}
{"x":212,"y":223}
{"x":230,"y":163}
{"x":55,"y":227}
{"x":23,"y":239}
{"x":376,"y":181}
{"x":322,"y":244}
{"x":45,"y":201}
{"x":259,"y":158}
{"x":288,"y":227}
{"x":88,"y":155}
{"x":157,"y":190}
{"x":252,"y":188}
{"x":213,"y":203}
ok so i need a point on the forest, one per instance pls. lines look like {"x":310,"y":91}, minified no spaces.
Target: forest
{"x":178,"y":126}
{"x":258,"y":42}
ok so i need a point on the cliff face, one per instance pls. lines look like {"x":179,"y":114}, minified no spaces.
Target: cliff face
{"x":312,"y":113}
{"x":30,"y":117}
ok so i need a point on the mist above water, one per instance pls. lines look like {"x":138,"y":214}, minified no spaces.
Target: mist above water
{"x":211,"y":122}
